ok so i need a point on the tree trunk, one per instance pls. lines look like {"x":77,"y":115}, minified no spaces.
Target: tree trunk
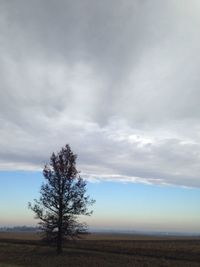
{"x":60,"y":232}
{"x":59,"y":242}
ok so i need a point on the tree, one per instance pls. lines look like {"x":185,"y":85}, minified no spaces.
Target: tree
{"x":62,"y":199}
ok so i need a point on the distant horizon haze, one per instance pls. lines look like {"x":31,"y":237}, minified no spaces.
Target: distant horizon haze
{"x":118,"y":205}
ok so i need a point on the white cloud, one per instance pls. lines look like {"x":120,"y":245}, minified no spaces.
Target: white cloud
{"x":118,"y":81}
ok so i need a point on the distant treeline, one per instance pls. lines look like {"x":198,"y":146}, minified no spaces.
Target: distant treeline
{"x":19,"y":229}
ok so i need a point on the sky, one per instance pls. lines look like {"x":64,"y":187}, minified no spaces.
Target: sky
{"x":118,"y":81}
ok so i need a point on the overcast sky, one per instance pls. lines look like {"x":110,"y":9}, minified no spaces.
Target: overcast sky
{"x":116,"y":79}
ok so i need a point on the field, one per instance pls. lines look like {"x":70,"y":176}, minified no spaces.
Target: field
{"x":25,"y":249}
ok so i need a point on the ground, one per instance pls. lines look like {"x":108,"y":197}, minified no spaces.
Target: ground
{"x":106,"y":250}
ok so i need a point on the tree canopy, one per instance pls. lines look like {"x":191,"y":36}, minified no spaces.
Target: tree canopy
{"x":62,"y":199}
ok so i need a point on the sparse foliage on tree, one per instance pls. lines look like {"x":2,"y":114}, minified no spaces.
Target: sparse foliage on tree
{"x":62,"y":199}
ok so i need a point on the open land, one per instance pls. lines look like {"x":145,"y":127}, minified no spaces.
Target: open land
{"x":26,"y":249}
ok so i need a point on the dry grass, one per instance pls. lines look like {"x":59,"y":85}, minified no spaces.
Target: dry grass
{"x":19,"y":235}
{"x":100,"y":250}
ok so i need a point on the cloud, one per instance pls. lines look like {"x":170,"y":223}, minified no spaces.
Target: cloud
{"x":118,"y":80}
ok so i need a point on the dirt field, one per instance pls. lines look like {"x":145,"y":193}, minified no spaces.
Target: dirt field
{"x":25,"y":249}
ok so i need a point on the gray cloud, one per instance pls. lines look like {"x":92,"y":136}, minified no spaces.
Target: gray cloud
{"x":118,"y":80}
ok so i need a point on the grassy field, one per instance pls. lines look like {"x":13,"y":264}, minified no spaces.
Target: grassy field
{"x":23,"y":249}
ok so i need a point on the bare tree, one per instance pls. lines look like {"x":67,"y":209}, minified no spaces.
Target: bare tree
{"x":62,"y":198}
